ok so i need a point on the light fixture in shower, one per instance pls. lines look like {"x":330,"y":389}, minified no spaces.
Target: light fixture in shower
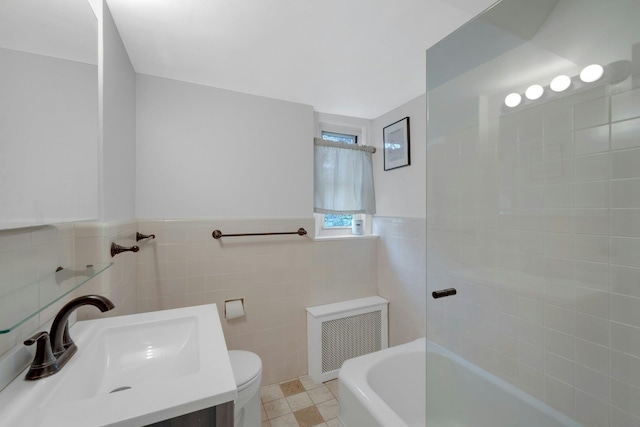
{"x":560,"y":83}
{"x":591,"y":73}
{"x":512,"y":100}
{"x":534,"y":92}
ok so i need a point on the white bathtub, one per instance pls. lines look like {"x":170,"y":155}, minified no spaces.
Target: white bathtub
{"x":389,"y":389}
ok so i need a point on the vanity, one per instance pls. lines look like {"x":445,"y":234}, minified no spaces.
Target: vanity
{"x":163,"y":368}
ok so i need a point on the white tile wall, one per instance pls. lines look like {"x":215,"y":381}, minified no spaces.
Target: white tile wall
{"x":278,"y":276}
{"x":402,"y":275}
{"x":542,"y":241}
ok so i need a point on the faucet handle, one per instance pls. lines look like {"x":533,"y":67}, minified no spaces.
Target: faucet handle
{"x":44,"y":363}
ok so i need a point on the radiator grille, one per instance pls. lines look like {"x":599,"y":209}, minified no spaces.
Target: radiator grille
{"x":349,"y":337}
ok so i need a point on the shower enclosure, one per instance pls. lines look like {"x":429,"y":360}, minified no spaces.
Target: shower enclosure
{"x":533,"y":202}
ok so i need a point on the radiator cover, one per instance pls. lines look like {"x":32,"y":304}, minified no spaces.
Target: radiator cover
{"x":341,"y":331}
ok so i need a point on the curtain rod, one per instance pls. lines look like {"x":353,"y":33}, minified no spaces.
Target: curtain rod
{"x":325,"y":143}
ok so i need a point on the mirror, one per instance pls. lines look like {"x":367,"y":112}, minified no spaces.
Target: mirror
{"x":48,"y":112}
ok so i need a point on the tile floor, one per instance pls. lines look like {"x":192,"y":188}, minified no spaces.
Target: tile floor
{"x":300,"y":403}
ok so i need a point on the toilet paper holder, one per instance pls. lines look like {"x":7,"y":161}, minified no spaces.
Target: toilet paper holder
{"x":235,"y":311}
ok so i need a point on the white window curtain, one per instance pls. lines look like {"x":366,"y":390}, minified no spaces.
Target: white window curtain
{"x":343,"y":178}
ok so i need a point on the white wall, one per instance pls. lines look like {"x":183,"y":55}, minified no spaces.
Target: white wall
{"x":118,"y":125}
{"x":48,"y":140}
{"x":207,"y":152}
{"x":402,"y":192}
{"x":400,"y":222}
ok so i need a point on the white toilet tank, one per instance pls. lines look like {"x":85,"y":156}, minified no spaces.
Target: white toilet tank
{"x":247,"y":371}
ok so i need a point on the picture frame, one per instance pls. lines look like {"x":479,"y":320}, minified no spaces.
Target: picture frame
{"x":396,"y":143}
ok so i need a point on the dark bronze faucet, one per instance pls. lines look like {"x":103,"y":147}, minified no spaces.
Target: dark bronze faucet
{"x":56,"y":348}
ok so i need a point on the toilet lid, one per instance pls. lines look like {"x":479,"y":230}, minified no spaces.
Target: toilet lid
{"x":246,"y":366}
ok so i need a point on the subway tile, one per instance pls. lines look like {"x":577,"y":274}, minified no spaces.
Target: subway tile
{"x":624,"y":164}
{"x":592,"y":329}
{"x":558,"y":394}
{"x":625,"y":222}
{"x":625,"y":396}
{"x":592,"y":355}
{"x":592,"y":140}
{"x":558,"y":121}
{"x":558,"y":171}
{"x":625,"y":338}
{"x":592,"y":382}
{"x":531,"y":333}
{"x":595,"y":167}
{"x":558,"y":368}
{"x":558,"y":195}
{"x":592,"y":194}
{"x":625,"y":251}
{"x":624,"y":280}
{"x":625,"y":134}
{"x":559,"y":319}
{"x":559,"y":343}
{"x":558,"y":146}
{"x":531,"y":355}
{"x":590,"y":410}
{"x":558,"y":245}
{"x":530,"y":128}
{"x":559,"y":220}
{"x":625,"y":309}
{"x":625,"y":367}
{"x":625,"y":105}
{"x":592,"y":275}
{"x":592,"y":113}
{"x":620,"y":418}
{"x":625,"y":193}
{"x":592,"y":302}
{"x":591,"y":248}
{"x":532,"y":381}
{"x":592,"y":221}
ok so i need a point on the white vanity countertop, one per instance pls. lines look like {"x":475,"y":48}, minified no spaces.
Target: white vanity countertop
{"x":175,"y":362}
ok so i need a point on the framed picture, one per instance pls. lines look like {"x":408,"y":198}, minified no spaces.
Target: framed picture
{"x":396,"y":145}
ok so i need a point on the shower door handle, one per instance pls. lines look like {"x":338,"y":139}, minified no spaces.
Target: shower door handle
{"x":444,"y":293}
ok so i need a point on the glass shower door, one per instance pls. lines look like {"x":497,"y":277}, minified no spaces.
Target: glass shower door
{"x":533,"y":212}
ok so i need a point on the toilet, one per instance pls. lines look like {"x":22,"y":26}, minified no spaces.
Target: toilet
{"x":247,"y":371}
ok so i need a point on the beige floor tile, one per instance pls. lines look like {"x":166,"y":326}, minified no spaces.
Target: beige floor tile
{"x":263,"y":414}
{"x":309,"y":417}
{"x":266,"y":424}
{"x":290,"y":388}
{"x":271,"y":392}
{"x":332,"y":423}
{"x":308,"y":383}
{"x":328,"y":409}
{"x":286,"y":421}
{"x":333,"y":387}
{"x":320,"y":394}
{"x":277,"y":408}
{"x":299,"y":401}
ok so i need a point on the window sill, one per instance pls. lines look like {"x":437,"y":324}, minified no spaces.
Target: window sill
{"x":346,"y":236}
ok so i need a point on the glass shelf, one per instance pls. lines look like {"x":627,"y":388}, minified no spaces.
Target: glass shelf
{"x":22,"y":304}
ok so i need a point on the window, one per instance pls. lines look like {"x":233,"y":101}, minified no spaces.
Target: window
{"x":335,"y":220}
{"x":339,"y":137}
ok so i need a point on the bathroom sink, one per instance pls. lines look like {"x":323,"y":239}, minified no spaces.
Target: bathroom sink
{"x":130,"y":370}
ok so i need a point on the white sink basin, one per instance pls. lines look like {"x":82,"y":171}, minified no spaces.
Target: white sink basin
{"x":130,"y":371}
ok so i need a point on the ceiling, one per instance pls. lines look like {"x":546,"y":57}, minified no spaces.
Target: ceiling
{"x":65,"y":29}
{"x":357,"y":58}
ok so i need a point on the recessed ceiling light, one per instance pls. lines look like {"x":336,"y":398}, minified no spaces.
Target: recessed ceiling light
{"x":513,"y":99}
{"x":591,"y":73}
{"x":534,"y":92}
{"x":560,"y":83}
